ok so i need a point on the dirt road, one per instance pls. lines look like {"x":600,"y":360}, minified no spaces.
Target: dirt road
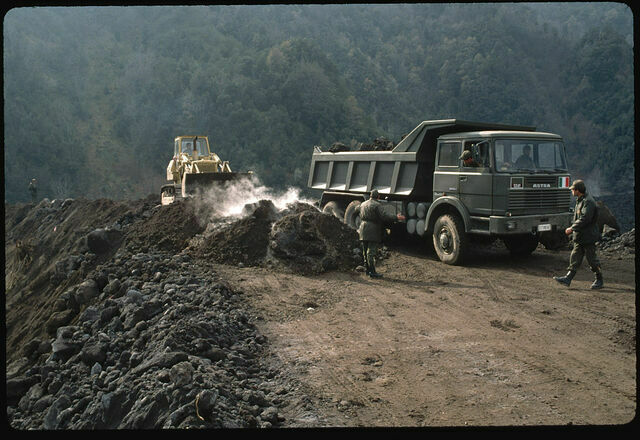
{"x":494,"y":343}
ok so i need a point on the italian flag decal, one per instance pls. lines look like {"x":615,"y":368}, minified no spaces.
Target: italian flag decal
{"x":564,"y":182}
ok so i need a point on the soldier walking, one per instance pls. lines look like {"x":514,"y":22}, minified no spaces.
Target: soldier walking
{"x":585,"y":233}
{"x":372,"y":217}
{"x":33,"y":189}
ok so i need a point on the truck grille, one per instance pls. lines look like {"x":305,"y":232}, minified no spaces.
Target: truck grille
{"x":532,"y":201}
{"x":541,"y":182}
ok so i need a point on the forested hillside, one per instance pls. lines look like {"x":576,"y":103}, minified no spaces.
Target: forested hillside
{"x":93,"y":96}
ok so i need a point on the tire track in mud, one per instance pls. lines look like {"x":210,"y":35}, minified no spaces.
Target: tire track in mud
{"x":527,"y":301}
{"x":576,"y":316}
{"x":307,"y":342}
{"x":337,"y":362}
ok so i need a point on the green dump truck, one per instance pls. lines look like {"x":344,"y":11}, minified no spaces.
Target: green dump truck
{"x":517,"y":188}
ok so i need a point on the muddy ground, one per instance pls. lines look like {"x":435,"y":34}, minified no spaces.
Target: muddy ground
{"x":496,"y":342}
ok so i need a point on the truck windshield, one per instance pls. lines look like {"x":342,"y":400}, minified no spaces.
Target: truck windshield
{"x":529,"y":155}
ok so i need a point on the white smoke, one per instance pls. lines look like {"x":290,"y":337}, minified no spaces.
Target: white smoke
{"x":228,"y":200}
{"x":592,"y":182}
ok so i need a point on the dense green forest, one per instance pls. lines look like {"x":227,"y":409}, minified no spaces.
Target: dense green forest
{"x":93,"y":96}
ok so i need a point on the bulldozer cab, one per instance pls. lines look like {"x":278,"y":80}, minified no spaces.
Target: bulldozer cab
{"x":185,"y":144}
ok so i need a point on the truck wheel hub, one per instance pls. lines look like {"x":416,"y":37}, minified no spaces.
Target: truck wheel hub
{"x":445,"y":240}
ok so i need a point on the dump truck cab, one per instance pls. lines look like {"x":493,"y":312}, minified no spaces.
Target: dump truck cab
{"x":519,"y":174}
{"x":517,"y":189}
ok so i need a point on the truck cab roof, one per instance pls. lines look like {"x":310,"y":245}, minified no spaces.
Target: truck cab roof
{"x":502,"y":133}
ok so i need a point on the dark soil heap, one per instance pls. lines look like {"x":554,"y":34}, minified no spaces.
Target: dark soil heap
{"x":299,"y":238}
{"x":168,"y":228}
{"x":117,"y":319}
{"x":243,"y":241}
{"x":308,"y":241}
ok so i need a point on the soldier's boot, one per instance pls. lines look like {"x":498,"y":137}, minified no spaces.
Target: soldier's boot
{"x":373,"y":273}
{"x":598,"y":283}
{"x":566,"y":280}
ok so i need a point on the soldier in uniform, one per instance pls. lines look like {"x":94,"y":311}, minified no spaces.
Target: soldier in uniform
{"x":372,"y":217}
{"x":584,"y":231}
{"x":467,"y":159}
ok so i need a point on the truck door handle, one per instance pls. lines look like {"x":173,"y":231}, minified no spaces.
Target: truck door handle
{"x":463,"y":178}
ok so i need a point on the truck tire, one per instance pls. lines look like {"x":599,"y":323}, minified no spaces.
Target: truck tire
{"x":333,"y":209}
{"x":352,"y":214}
{"x":521,"y":245}
{"x":449,"y":239}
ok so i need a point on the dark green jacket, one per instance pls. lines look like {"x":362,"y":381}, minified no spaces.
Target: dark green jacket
{"x":585,"y":226}
{"x":372,"y":217}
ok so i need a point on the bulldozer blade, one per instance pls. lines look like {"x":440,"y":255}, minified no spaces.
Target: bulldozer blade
{"x":202,"y":181}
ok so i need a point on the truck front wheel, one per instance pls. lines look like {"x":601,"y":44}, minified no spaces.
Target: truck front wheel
{"x":449,"y":239}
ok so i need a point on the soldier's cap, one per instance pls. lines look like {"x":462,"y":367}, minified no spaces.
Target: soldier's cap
{"x":466,"y":154}
{"x":578,"y":185}
{"x":374,"y":194}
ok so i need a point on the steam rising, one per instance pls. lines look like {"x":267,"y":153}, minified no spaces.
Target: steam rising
{"x":228,"y":200}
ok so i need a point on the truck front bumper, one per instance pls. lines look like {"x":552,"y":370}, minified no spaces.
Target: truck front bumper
{"x":529,"y":224}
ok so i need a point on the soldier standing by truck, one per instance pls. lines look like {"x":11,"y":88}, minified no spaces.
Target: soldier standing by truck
{"x":584,"y":231}
{"x":373,"y":215}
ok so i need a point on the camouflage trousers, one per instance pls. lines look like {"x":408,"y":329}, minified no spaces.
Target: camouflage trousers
{"x":584,"y":250}
{"x":369,"y":250}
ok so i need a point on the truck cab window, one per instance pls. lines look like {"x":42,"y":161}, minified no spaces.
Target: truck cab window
{"x":187,"y":147}
{"x":515,"y":155}
{"x":480,"y":152}
{"x":449,"y":154}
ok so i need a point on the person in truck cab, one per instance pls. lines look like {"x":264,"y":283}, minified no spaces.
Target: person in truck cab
{"x":585,"y":233}
{"x":467,"y":159}
{"x":525,"y":161}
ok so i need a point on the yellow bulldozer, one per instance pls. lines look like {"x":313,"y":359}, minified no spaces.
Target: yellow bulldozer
{"x":195,"y":167}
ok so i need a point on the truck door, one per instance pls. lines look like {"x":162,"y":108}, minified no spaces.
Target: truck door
{"x":475,"y":183}
{"x":445,"y":176}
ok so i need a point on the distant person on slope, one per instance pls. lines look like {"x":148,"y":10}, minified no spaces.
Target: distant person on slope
{"x":33,"y":190}
{"x":372,"y":217}
{"x":585,"y":234}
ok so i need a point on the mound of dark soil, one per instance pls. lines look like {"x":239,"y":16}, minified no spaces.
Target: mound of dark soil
{"x":298,"y":238}
{"x":243,"y":241}
{"x":169,"y":228}
{"x":308,"y":241}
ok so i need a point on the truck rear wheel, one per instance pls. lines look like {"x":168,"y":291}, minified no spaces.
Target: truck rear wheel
{"x":449,"y":239}
{"x":521,"y":245}
{"x":333,"y":209}
{"x":352,"y":214}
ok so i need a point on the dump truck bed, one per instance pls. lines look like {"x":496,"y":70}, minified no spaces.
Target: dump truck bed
{"x":404,"y":172}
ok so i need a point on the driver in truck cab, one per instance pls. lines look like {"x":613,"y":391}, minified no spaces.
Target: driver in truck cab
{"x":468,"y":160}
{"x":525,"y":161}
